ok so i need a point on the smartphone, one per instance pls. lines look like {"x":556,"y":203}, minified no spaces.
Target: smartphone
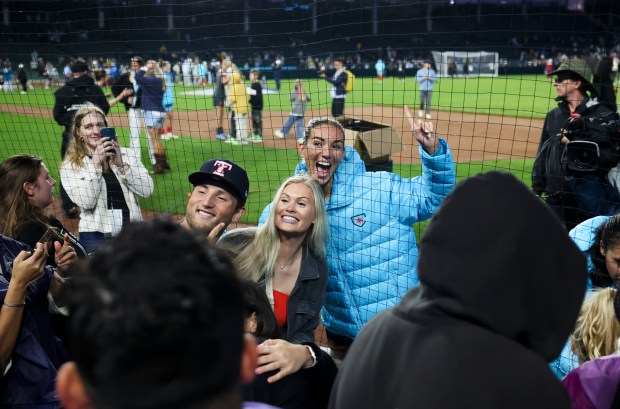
{"x":108,"y":132}
{"x":47,"y":235}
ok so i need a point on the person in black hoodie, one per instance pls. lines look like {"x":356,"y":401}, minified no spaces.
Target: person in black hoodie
{"x":69,"y":98}
{"x":501,"y":284}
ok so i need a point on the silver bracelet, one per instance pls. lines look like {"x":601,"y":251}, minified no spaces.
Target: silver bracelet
{"x":313,"y":355}
{"x":20,"y":305}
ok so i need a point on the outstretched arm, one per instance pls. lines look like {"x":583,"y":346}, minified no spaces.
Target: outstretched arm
{"x":27,"y":268}
{"x":423,"y":132}
{"x":416,"y":199}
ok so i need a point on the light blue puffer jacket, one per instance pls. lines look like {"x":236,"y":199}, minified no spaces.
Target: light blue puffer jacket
{"x":583,"y":235}
{"x":372,"y":251}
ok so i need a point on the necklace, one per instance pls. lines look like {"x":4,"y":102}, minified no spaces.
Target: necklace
{"x":290,"y":260}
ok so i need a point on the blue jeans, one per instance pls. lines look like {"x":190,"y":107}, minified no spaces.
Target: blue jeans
{"x":425,"y":100}
{"x":594,"y":194}
{"x":91,"y":240}
{"x":299,"y":126}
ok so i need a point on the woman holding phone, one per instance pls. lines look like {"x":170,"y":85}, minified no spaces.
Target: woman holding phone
{"x":26,"y":190}
{"x":102,"y":178}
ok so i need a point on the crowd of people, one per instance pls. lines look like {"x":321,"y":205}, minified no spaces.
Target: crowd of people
{"x":335,"y":247}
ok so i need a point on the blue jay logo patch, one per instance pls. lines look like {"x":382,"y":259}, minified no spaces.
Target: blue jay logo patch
{"x":359,"y":220}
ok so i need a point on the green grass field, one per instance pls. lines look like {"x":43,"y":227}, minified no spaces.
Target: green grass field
{"x":527,"y":96}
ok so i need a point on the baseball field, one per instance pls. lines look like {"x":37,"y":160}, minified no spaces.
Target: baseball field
{"x":489,"y":123}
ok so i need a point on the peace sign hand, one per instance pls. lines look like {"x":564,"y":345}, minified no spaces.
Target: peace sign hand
{"x":423,"y":132}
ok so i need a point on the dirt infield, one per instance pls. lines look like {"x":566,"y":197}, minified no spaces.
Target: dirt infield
{"x":472,"y":137}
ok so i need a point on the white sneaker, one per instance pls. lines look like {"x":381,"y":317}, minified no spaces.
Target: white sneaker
{"x":23,"y":92}
{"x":421,"y":113}
{"x":166,"y":136}
{"x":279,"y":134}
{"x":428,"y":116}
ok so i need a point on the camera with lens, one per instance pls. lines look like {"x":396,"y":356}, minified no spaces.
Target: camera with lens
{"x":582,"y":154}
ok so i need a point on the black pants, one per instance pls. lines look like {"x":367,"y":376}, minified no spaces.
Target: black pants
{"x":233,"y":126}
{"x":257,"y":122}
{"x":565,"y":207}
{"x":65,"y":201}
{"x":337,"y":107}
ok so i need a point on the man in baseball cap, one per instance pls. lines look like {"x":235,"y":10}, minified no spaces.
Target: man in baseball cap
{"x":218,"y":199}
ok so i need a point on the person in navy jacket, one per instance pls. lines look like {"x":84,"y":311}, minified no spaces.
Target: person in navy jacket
{"x":338,"y":78}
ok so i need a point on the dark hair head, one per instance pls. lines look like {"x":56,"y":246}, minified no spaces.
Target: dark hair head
{"x":100,"y":74}
{"x":156,"y":320}
{"x":15,"y":205}
{"x":607,"y":235}
{"x":79,"y":66}
{"x":255,"y":301}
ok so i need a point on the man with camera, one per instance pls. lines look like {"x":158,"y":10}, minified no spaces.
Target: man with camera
{"x":578,"y":147}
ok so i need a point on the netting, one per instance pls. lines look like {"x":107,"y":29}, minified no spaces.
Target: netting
{"x":488,"y":105}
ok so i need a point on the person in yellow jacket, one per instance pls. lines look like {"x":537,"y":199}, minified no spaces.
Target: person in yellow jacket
{"x":238,"y":97}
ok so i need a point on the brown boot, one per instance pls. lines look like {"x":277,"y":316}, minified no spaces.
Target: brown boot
{"x":159,"y":166}
{"x":165,"y":163}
